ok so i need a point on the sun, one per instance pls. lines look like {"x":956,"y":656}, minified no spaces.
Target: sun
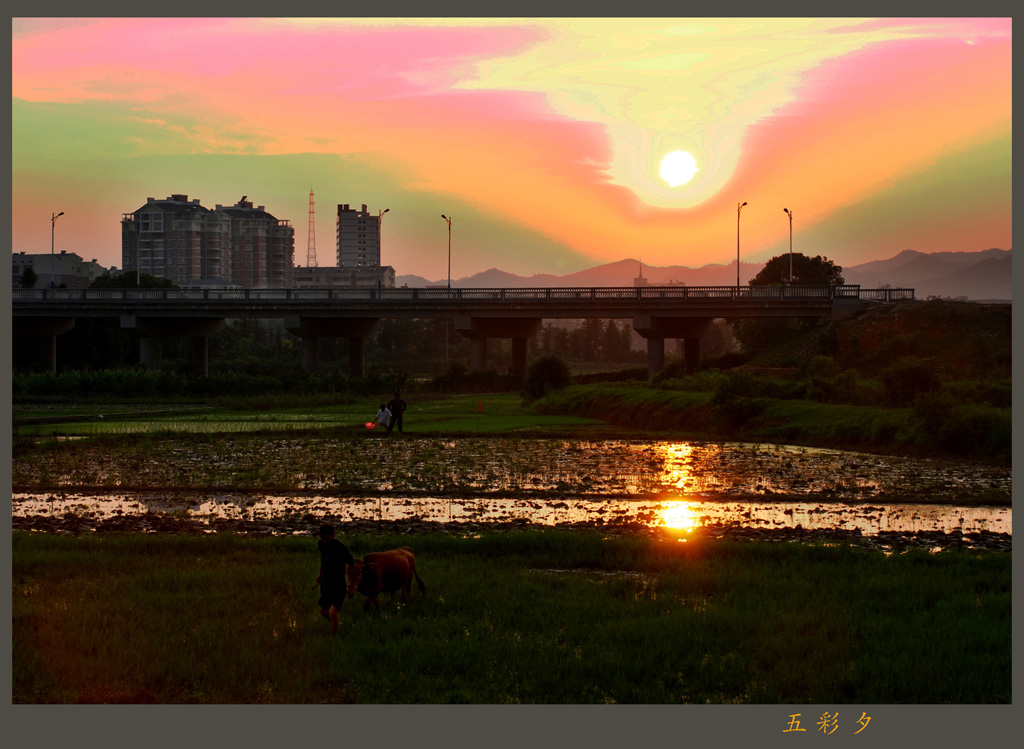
{"x":678,"y":168}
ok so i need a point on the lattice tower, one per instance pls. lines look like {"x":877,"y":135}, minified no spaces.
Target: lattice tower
{"x":311,"y":243}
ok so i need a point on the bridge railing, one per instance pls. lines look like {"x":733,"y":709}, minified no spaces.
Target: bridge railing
{"x":887,"y":295}
{"x":442,"y":294}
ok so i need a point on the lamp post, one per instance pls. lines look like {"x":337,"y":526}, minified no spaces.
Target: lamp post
{"x":53,"y":222}
{"x":449,"y":249}
{"x":380,"y":215}
{"x":449,"y":284}
{"x":790,"y":213}
{"x":739,"y":207}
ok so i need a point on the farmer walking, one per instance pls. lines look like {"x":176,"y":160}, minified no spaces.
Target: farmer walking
{"x":334,"y":555}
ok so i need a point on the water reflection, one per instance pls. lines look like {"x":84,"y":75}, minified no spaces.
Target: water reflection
{"x":678,"y":515}
{"x":674,"y":514}
{"x":592,"y":469}
{"x":675,"y":460}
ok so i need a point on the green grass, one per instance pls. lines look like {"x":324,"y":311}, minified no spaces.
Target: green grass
{"x":483,"y":414}
{"x":700,"y":414}
{"x":532,"y":617}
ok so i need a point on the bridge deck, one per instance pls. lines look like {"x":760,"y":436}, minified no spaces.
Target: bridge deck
{"x":564,"y":302}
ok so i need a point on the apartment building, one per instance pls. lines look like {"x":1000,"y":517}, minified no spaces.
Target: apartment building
{"x":262,"y":247}
{"x":358,"y":238}
{"x":180,"y":239}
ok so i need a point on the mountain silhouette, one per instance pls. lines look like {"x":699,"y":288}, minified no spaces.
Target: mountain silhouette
{"x":975,"y":275}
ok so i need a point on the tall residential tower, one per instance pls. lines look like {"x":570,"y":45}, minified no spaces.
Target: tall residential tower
{"x":181,"y":240}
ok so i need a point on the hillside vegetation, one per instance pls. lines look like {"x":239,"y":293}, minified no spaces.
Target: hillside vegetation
{"x":931,"y":378}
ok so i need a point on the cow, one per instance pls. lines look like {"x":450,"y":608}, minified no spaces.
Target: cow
{"x":383,"y":572}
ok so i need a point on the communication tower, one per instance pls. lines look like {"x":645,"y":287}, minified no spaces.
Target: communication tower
{"x":311,"y":243}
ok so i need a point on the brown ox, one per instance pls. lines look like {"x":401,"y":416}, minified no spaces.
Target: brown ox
{"x":383,"y":572}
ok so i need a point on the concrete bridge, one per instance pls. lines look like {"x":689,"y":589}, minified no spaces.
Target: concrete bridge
{"x":656,"y":312}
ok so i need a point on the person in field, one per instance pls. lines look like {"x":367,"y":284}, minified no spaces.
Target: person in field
{"x":383,"y":417}
{"x":334,"y":556}
{"x":397,"y":407}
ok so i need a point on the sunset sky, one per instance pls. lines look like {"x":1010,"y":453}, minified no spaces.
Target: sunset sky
{"x":542,"y":139}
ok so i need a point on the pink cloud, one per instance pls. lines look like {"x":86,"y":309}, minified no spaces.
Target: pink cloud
{"x":952,"y":27}
{"x":354,"y":63}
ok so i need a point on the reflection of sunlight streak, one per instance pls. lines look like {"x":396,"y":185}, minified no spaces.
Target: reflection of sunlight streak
{"x":678,"y":515}
{"x":677,"y":464}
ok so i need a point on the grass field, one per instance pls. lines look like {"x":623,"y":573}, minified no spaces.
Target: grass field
{"x":494,"y":413}
{"x":528,"y":617}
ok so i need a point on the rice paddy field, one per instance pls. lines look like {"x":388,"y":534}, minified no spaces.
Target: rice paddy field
{"x":531,"y":617}
{"x":137,"y":614}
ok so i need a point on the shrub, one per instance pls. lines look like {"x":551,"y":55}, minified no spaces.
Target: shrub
{"x":544,"y":375}
{"x":967,"y":429}
{"x":675,"y":370}
{"x":907,"y":378}
{"x":997,"y":394}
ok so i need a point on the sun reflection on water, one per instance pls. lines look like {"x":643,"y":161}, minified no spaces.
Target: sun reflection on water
{"x":676,"y":458}
{"x":678,"y":515}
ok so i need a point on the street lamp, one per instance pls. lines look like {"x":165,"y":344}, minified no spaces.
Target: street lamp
{"x":53,"y":222}
{"x":449,"y":249}
{"x":380,"y":215}
{"x":790,"y":245}
{"x":739,"y":207}
{"x":449,"y":284}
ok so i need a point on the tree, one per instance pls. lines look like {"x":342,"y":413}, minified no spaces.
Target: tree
{"x":132,"y":280}
{"x":544,"y":375}
{"x":757,"y":334}
{"x":28,"y":278}
{"x":807,"y":271}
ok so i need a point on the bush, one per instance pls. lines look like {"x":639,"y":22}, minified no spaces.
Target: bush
{"x":907,"y":378}
{"x":976,"y":430}
{"x":997,"y":394}
{"x":674,"y":370}
{"x":458,"y":379}
{"x":544,"y":375}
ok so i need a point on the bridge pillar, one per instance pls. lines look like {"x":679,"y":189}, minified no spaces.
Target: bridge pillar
{"x":311,"y":329}
{"x":356,"y":357}
{"x":479,"y":329}
{"x":655,"y":356}
{"x":691,"y":355}
{"x":519,"y":351}
{"x":478,"y":354}
{"x":46,"y":329}
{"x":200,"y":355}
{"x":310,"y":353}
{"x":657,"y":329}
{"x":149,"y":352}
{"x":152,"y":330}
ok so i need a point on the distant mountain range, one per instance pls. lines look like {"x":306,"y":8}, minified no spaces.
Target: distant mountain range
{"x":976,"y":275}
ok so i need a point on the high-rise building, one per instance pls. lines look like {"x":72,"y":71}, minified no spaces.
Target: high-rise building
{"x":358,"y":235}
{"x":262,"y":247}
{"x":181,"y":240}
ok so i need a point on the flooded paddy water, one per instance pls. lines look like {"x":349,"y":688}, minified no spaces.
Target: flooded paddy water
{"x":738,"y":489}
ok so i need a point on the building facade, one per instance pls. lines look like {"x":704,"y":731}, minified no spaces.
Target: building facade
{"x":262,"y":247}
{"x":191,"y":245}
{"x":381,"y":277}
{"x":358,"y":238}
{"x":64,"y":267}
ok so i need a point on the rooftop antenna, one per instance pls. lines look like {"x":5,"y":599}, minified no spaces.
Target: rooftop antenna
{"x":311,"y":242}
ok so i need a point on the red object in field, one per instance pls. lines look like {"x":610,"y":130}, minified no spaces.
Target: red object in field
{"x":370,"y":424}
